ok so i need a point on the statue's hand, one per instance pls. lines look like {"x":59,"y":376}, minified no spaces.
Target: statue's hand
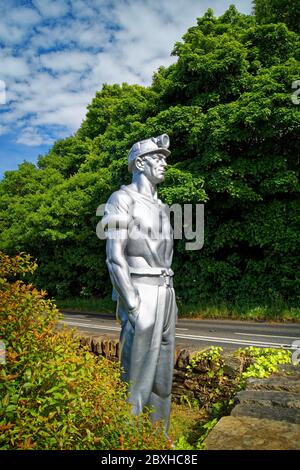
{"x":133,"y":314}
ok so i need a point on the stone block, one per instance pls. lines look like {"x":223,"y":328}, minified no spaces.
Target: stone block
{"x":179,"y":375}
{"x":244,"y":433}
{"x":191,"y":384}
{"x":277,"y":413}
{"x":97,"y":346}
{"x":183,"y":359}
{"x":288,"y":370}
{"x":232,"y":365}
{"x":269,"y":398}
{"x":288,"y":384}
{"x":106,"y":347}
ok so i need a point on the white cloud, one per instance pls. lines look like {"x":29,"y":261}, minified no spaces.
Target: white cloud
{"x":58,"y":53}
{"x":32,"y":137}
{"x":67,"y":61}
{"x":23,"y":16}
{"x":52,"y":8}
{"x":2,"y":92}
{"x":70,"y":116}
{"x":3,"y":129}
{"x":13,"y":67}
{"x":10,"y":34}
{"x":81,"y":33}
{"x":16,"y":22}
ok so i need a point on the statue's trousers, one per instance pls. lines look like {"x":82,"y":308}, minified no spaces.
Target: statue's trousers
{"x":147,"y":348}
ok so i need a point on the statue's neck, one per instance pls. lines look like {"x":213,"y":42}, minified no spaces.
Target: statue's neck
{"x":142,"y":184}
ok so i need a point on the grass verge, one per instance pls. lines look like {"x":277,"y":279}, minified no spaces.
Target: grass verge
{"x":225,"y":310}
{"x":87,"y":304}
{"x":186,"y":425}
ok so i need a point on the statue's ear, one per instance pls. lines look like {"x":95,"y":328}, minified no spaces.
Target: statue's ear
{"x":139,"y":163}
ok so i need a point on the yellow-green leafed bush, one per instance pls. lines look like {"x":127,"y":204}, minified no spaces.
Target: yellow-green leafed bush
{"x":54,"y":395}
{"x":262,"y":362}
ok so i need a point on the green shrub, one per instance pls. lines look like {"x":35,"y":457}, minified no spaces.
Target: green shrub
{"x":53,"y":394}
{"x":262,"y":362}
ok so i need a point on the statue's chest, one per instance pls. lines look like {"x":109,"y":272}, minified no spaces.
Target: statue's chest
{"x":151,"y":219}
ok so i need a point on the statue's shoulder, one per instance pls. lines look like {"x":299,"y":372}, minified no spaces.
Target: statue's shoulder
{"x":121,"y":199}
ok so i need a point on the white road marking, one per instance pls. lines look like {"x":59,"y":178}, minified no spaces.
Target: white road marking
{"x":77,"y":318}
{"x":85,"y":325}
{"x":236,"y":341}
{"x":268,"y":336}
{"x":103,"y":327}
{"x":214,"y":339}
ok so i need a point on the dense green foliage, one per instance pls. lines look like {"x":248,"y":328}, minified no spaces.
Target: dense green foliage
{"x":272,"y":11}
{"x":226,"y":104}
{"x":54,"y":394}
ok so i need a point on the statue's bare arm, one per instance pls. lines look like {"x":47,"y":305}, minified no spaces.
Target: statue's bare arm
{"x":119,"y":272}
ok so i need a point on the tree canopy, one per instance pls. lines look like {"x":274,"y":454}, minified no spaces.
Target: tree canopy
{"x":272,"y":11}
{"x":226,"y":105}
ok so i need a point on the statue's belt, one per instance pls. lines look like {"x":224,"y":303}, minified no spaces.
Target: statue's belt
{"x":153,"y":276}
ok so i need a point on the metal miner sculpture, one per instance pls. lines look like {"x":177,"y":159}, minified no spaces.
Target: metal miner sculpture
{"x":139,"y":250}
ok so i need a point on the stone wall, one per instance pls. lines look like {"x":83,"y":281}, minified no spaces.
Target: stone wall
{"x":266,"y":415}
{"x":187,"y":384}
{"x":102,"y":346}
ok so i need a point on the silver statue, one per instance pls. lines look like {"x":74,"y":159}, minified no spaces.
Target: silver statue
{"x":139,"y":255}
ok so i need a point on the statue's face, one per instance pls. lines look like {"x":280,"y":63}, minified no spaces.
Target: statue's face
{"x":154,"y":167}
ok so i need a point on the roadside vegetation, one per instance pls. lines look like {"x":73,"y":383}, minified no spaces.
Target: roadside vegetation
{"x":279,"y":312}
{"x":55,"y":394}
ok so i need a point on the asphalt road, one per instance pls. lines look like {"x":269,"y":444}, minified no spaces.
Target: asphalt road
{"x":229,"y":334}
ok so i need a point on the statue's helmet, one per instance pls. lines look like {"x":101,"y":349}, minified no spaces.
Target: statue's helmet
{"x":150,"y":146}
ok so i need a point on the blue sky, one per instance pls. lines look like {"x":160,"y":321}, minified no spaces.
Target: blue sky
{"x":55,"y":55}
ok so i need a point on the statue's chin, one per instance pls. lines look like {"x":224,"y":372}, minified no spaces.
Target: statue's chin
{"x":161,"y":178}
{"x":157,"y":179}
